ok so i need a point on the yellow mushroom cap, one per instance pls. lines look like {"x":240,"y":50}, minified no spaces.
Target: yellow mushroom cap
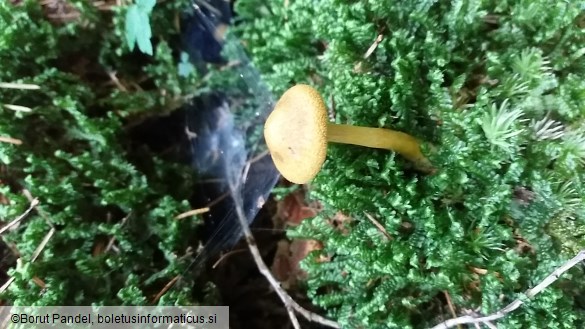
{"x":296,"y":133}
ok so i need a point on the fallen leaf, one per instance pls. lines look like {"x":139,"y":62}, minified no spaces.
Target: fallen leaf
{"x":293,"y":209}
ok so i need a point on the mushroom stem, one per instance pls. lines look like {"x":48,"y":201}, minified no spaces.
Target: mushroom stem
{"x":380,"y":138}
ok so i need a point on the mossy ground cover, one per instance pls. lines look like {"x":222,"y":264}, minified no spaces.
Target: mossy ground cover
{"x":496,"y":89}
{"x":105,"y":223}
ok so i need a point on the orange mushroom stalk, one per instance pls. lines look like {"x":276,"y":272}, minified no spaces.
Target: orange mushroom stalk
{"x":297,"y":132}
{"x":380,"y":138}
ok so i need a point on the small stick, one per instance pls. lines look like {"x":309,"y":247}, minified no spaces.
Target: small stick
{"x":110,"y":244}
{"x":379,"y":226}
{"x":17,"y":108}
{"x":226,"y":255}
{"x":33,"y":204}
{"x":165,"y":289}
{"x":258,"y":157}
{"x":6,"y":285}
{"x":250,"y":162}
{"x":530,"y":293}
{"x":24,"y":86}
{"x":39,"y":282}
{"x":218,"y":199}
{"x":30,"y":198}
{"x":10,"y":140}
{"x":43,"y":244}
{"x":373,"y":47}
{"x":450,"y":304}
{"x":193,"y":212}
{"x":114,"y":78}
{"x":477,"y":325}
{"x":290,"y":304}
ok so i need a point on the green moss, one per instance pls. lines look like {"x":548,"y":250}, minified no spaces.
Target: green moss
{"x":115,"y":239}
{"x":475,"y":79}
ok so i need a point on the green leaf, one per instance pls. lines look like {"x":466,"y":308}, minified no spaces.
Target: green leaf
{"x":146,"y":6}
{"x":132,"y":25}
{"x":143,"y":39}
{"x":138,"y":29}
{"x":185,"y":67}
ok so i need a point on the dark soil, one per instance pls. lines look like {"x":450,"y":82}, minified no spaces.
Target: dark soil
{"x":253,"y":303}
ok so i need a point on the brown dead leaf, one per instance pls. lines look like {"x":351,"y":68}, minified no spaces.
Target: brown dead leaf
{"x":293,"y":209}
{"x":281,"y":268}
{"x":299,"y":251}
{"x":99,"y":246}
{"x":483,"y":271}
{"x":3,"y":199}
{"x":473,"y":286}
{"x":341,"y":222}
{"x":286,"y":263}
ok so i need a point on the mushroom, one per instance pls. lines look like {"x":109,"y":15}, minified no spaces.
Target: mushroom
{"x":297,"y":132}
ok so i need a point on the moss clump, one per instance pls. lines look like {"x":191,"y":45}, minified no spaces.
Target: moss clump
{"x":107,"y":206}
{"x":499,"y":89}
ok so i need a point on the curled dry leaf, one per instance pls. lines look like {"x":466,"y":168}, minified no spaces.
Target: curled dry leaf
{"x":281,"y":264}
{"x":293,"y":209}
{"x":286,"y":264}
{"x":3,"y":199}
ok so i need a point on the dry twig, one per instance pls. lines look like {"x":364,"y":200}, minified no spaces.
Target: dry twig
{"x":110,"y":244}
{"x":193,"y":212}
{"x":450,"y":304}
{"x":226,"y":255}
{"x":22,"y":86}
{"x":290,"y":304}
{"x":166,"y":288}
{"x":43,"y":244}
{"x":117,"y":83}
{"x":17,"y":108}
{"x":530,"y":293}
{"x":379,"y":226}
{"x":374,"y":45}
{"x":33,"y":204}
{"x":10,"y":140}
